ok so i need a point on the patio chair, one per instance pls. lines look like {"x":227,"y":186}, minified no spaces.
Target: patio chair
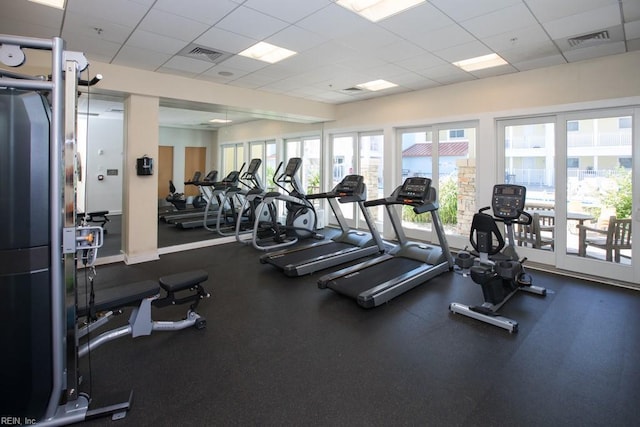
{"x":613,"y":239}
{"x":539,"y":234}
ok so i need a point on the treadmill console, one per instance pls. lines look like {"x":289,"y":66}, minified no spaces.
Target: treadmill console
{"x":508,"y":200}
{"x":414,"y":189}
{"x":292,"y":166}
{"x":350,"y":185}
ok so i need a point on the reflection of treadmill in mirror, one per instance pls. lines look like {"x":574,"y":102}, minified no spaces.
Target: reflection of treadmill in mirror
{"x":407,"y":265}
{"x":348,"y":246}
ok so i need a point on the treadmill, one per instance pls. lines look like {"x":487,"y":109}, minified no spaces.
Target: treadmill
{"x":408,"y":264}
{"x":348,"y":246}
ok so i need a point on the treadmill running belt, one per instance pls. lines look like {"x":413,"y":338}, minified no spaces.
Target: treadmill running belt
{"x":355,"y":283}
{"x":309,"y":254}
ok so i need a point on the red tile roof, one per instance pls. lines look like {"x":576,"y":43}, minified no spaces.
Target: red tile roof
{"x":460,"y":148}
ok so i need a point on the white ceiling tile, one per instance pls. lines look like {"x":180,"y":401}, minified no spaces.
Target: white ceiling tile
{"x":631,"y":10}
{"x":217,"y":38}
{"x":461,"y":10}
{"x":102,"y":50}
{"x":632,"y":30}
{"x":287,"y":10}
{"x":633,"y":45}
{"x":95,"y":27}
{"x":155,"y":42}
{"x":250,"y":23}
{"x":521,"y":38}
{"x":464,"y":51}
{"x":124,"y":12}
{"x":551,"y":10}
{"x":136,"y":57}
{"x":500,"y":21}
{"x":206,"y":11}
{"x":494,"y":71}
{"x":370,"y":38}
{"x":296,"y":39}
{"x":446,"y":74}
{"x":584,"y":23}
{"x":518,"y":54}
{"x":443,"y":38}
{"x":333,"y":21}
{"x":398,"y":51}
{"x":180,"y":63}
{"x":417,"y":22}
{"x":421,"y":61}
{"x":170,"y":25}
{"x":542,"y":62}
{"x":241,"y":63}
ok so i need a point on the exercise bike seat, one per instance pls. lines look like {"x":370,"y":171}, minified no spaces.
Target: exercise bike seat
{"x":119,"y":297}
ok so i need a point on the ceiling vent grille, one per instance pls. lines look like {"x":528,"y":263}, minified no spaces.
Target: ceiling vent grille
{"x":203,"y":53}
{"x":600,"y":36}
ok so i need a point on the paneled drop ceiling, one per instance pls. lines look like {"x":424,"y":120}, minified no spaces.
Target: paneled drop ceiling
{"x":336,"y":48}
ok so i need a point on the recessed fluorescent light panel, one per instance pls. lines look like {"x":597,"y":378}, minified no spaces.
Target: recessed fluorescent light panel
{"x":267,"y":52}
{"x":377,"y":10}
{"x":481,"y":62}
{"x":58,"y":4}
{"x":376,"y":85}
{"x":220,"y":121}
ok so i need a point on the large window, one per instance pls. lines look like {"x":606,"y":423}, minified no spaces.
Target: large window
{"x":440,"y":152}
{"x":578,"y":171}
{"x":309,"y":150}
{"x":362,"y":154}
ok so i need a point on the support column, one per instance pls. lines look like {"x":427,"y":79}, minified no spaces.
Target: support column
{"x":140,"y":204}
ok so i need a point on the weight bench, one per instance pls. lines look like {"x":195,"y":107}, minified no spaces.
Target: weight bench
{"x":179,"y":288}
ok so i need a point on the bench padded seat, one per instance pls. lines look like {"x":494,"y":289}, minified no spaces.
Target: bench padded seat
{"x":179,"y":281}
{"x":118,"y":297}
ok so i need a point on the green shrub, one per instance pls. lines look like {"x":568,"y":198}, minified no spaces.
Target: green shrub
{"x":448,"y":200}
{"x":620,"y":197}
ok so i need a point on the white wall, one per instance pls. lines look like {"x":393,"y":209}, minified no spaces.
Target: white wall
{"x":104,"y":150}
{"x":179,"y":139}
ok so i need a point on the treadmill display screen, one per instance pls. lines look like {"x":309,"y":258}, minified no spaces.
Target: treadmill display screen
{"x":351,"y":184}
{"x":415,"y":188}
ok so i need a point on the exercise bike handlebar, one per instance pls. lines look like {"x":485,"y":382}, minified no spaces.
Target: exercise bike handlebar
{"x":523,"y":218}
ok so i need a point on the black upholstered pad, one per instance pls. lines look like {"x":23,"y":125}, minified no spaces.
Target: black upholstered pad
{"x":179,"y":281}
{"x":122,"y":296}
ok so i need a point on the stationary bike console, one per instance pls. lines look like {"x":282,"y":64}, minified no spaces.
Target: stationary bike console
{"x":508,"y":201}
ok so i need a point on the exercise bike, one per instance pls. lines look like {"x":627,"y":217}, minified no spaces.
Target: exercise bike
{"x":496,"y":268}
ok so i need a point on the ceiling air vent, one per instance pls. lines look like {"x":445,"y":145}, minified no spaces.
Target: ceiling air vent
{"x":203,"y":53}
{"x":593,"y":37}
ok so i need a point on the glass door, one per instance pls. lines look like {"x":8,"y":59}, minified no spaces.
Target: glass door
{"x":441,"y":152}
{"x":598,"y":188}
{"x":578,"y":171}
{"x":361,"y":154}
